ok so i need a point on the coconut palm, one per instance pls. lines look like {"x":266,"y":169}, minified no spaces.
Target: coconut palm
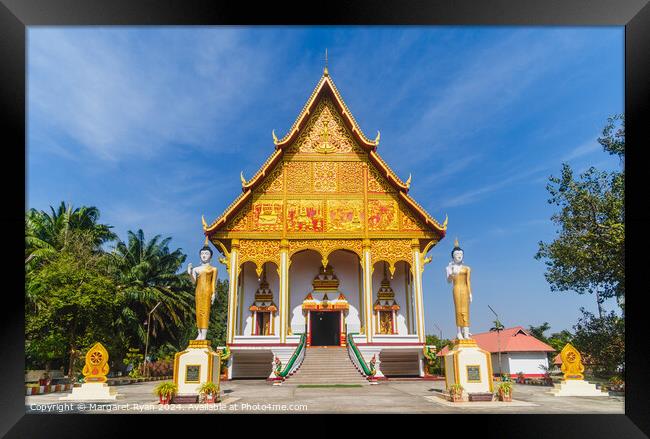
{"x":46,"y":233}
{"x":146,"y":273}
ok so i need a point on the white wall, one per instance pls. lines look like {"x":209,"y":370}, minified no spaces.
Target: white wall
{"x":304,"y":267}
{"x":515,"y":362}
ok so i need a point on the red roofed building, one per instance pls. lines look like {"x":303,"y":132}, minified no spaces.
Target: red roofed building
{"x":520,"y":351}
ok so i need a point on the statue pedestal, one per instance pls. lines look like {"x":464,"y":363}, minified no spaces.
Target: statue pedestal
{"x":92,"y":392}
{"x":470,"y":366}
{"x":196,"y":365}
{"x":576,"y":388}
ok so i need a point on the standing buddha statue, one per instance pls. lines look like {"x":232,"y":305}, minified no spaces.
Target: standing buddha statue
{"x":205,"y":278}
{"x":459,"y":274}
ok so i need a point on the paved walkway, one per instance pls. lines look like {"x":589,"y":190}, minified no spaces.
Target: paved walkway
{"x":257,"y":396}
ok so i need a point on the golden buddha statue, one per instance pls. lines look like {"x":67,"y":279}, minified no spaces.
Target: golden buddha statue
{"x":205,"y":278}
{"x":459,"y":274}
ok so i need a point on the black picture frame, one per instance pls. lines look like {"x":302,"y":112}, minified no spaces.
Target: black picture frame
{"x":16,"y":15}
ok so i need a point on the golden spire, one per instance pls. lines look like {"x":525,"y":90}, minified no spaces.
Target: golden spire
{"x":325,"y":72}
{"x":456,"y":243}
{"x":206,"y":242}
{"x":205,"y":225}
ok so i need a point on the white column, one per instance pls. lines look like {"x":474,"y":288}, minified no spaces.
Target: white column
{"x":367,"y":291}
{"x":417,"y":284}
{"x":233,"y":271}
{"x":284,"y":290}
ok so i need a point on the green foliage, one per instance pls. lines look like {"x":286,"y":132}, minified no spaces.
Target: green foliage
{"x":208,"y":388}
{"x":589,"y":252}
{"x":77,"y":294}
{"x":602,"y":341}
{"x":505,"y":387}
{"x":134,"y":359}
{"x":47,"y":233}
{"x":435,"y":366}
{"x":166,"y":389}
{"x":145,"y":274}
{"x":538,"y":331}
{"x":456,"y":389}
{"x":76,"y":302}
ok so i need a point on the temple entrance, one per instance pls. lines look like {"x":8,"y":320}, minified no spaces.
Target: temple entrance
{"x":325,"y":328}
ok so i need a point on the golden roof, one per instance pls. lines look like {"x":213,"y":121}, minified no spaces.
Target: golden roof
{"x":324,"y":87}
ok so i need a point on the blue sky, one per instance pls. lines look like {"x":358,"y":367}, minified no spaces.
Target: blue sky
{"x":153,"y":126}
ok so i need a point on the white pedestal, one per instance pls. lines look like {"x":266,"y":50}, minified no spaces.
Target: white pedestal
{"x":470,"y":366}
{"x":92,"y":392}
{"x":196,"y":365}
{"x":576,"y":388}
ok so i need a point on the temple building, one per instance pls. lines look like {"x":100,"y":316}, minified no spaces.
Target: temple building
{"x":325,"y":247}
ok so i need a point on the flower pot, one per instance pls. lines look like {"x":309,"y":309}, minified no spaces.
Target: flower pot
{"x":505,"y":397}
{"x":209,"y":399}
{"x":165,"y":399}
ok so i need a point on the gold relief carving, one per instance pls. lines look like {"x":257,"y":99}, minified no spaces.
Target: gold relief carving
{"x":305,"y":216}
{"x":408,"y":221}
{"x":376,"y":182}
{"x":240,"y":220}
{"x":391,"y":251}
{"x":259,"y":251}
{"x":326,"y":246}
{"x":273,"y":182}
{"x":382,"y":215}
{"x":325,"y":133}
{"x":325,"y":176}
{"x":298,"y":177}
{"x":267,"y":215}
{"x":350,"y":177}
{"x":344,"y":215}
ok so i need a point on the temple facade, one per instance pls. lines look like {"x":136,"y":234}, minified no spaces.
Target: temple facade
{"x":325,"y":247}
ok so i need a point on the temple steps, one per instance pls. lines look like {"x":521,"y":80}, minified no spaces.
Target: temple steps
{"x":329,"y":365}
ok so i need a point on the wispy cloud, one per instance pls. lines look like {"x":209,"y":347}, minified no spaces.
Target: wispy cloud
{"x":474,"y":195}
{"x":122,"y":94}
{"x":588,"y":147}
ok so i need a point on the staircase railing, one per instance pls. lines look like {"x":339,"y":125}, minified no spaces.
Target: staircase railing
{"x":294,"y":362}
{"x":356,"y":357}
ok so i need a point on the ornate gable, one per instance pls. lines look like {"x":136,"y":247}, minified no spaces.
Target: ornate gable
{"x":324,"y":133}
{"x":325,"y":179}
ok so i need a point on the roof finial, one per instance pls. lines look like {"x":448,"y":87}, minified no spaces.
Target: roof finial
{"x":325,"y":72}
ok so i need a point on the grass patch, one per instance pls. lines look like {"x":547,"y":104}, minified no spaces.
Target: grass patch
{"x":309,"y":386}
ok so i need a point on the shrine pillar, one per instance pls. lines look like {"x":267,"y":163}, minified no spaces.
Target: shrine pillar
{"x":417,"y":286}
{"x":233,"y":275}
{"x":367,"y":291}
{"x":284,"y":290}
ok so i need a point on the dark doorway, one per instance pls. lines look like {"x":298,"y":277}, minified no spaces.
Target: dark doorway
{"x":325,"y":328}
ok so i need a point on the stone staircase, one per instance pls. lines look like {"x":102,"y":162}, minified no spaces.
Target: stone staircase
{"x":327,"y":365}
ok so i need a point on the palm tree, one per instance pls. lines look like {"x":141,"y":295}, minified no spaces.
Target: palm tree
{"x":47,"y":233}
{"x":146,"y":273}
{"x":498,"y":326}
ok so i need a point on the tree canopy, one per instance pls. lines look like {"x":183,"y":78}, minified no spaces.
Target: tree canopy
{"x":588,"y":254}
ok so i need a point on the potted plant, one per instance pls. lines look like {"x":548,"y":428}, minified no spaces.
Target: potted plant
{"x":456,"y":392}
{"x":165,"y":391}
{"x":209,"y":392}
{"x":505,"y":391}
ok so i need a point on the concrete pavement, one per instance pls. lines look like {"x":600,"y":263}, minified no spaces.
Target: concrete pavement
{"x":258,"y":396}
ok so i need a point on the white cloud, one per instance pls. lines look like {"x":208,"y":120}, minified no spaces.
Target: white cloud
{"x":588,"y":147}
{"x":121,"y":94}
